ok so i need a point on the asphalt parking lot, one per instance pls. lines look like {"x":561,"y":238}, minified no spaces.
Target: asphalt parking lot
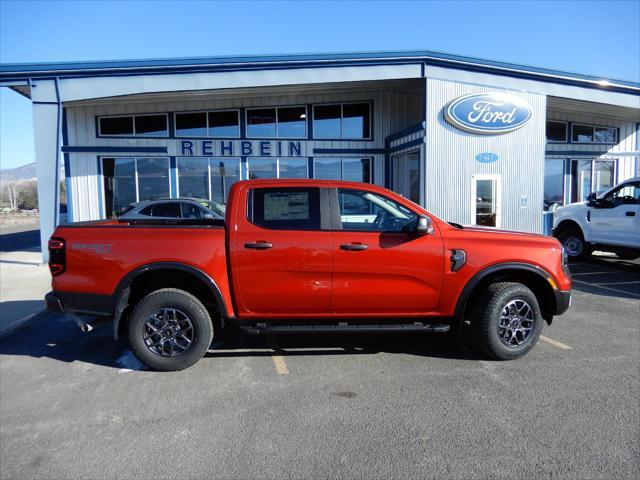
{"x":77,"y":405}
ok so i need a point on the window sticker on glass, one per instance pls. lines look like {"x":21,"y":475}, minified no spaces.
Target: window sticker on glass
{"x":286,"y":206}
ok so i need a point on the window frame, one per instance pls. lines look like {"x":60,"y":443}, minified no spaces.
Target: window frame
{"x":277,"y":160}
{"x":593,"y":129}
{"x":566,"y":131}
{"x":207,"y":127}
{"x":99,"y":133}
{"x":277,"y":108}
{"x":573,"y":187}
{"x":320,"y":208}
{"x":369,"y":104}
{"x":101,"y":186}
{"x":342,"y":158}
{"x":208,"y":159}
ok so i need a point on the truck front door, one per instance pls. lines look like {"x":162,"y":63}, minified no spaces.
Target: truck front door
{"x":380,"y":266}
{"x":281,"y":262}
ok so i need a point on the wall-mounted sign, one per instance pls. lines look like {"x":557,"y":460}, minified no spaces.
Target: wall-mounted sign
{"x":524,"y":201}
{"x":487,"y":157}
{"x":237,"y":148}
{"x":488,"y":113}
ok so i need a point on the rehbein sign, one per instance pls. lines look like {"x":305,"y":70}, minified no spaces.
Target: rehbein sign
{"x":488,"y":113}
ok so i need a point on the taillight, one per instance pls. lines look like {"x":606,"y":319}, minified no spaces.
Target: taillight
{"x":57,"y":256}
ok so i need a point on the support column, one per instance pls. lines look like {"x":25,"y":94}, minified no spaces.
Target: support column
{"x":46,"y":129}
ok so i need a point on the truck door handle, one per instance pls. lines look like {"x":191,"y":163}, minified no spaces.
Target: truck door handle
{"x":630,"y":214}
{"x":356,"y":247}
{"x":258,"y":245}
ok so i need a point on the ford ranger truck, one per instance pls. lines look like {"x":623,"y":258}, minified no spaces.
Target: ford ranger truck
{"x":306,"y":256}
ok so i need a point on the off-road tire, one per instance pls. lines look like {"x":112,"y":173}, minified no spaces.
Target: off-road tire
{"x":173,"y":299}
{"x":576,"y":235}
{"x":486,"y":316}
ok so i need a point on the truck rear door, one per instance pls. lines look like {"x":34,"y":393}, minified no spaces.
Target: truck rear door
{"x":281,"y":254}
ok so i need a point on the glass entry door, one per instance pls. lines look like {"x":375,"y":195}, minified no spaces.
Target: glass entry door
{"x":485,"y":200}
{"x":406,"y":175}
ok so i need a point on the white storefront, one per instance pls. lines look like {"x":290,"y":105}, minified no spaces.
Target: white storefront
{"x":475,"y":142}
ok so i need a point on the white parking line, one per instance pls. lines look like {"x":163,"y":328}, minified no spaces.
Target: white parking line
{"x":555,"y":343}
{"x":595,"y":285}
{"x":608,"y":272}
{"x":278,"y":360}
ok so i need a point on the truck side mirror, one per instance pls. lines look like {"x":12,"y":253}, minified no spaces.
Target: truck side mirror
{"x":425,"y":226}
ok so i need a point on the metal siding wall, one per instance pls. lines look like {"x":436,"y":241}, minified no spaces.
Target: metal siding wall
{"x":626,"y":142}
{"x":85,"y":187}
{"x":393,"y":110}
{"x":450,"y":160}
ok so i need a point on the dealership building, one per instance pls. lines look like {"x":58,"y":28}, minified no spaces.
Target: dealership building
{"x":473,"y":141}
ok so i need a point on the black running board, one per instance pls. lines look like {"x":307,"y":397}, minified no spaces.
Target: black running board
{"x":265,"y":328}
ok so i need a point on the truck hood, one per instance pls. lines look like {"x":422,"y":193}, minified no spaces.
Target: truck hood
{"x":494,"y":231}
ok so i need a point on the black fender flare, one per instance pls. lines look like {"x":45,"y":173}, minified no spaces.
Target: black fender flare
{"x":123,"y":290}
{"x":480,"y":276}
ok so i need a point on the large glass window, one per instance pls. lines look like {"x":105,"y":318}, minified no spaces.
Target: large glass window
{"x":151,"y":125}
{"x":199,"y":176}
{"x":342,"y":121}
{"x":355,"y":120}
{"x":224,"y":173}
{"x":363,"y":210}
{"x":350,"y":169}
{"x":553,"y":183}
{"x":589,"y":176}
{"x":281,"y":122}
{"x":261,"y":123}
{"x":223,"y":123}
{"x":129,"y":180}
{"x":153,"y":178}
{"x":593,"y":134}
{"x":292,"y":168}
{"x":327,"y":121}
{"x":292,"y":122}
{"x":556,"y":131}
{"x":116,"y":126}
{"x":262,"y":168}
{"x":134,"y":125}
{"x":191,"y":124}
{"x":269,"y":167}
{"x":193,"y":177}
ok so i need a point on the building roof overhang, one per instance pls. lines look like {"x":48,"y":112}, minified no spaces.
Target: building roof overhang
{"x":12,"y":74}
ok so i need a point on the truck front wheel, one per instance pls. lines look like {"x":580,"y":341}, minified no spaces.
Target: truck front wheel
{"x":170,"y":330}
{"x":506,"y":321}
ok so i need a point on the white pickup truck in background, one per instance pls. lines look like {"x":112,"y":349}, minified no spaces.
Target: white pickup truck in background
{"x":609,"y":222}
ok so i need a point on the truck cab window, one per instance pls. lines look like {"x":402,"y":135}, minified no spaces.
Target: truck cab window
{"x":364,"y":210}
{"x":285,"y":208}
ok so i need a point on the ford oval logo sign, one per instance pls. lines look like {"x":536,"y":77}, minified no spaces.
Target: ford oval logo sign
{"x":488,"y":113}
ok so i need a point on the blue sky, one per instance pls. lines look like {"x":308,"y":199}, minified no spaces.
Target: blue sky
{"x":596,"y":37}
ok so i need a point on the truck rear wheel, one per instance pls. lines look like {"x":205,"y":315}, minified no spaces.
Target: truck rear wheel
{"x":170,"y":330}
{"x":506,"y":321}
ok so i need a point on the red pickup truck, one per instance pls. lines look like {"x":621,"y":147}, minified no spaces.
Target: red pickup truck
{"x":306,"y":256}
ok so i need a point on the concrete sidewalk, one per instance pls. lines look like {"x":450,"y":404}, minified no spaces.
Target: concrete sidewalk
{"x":24,"y":280}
